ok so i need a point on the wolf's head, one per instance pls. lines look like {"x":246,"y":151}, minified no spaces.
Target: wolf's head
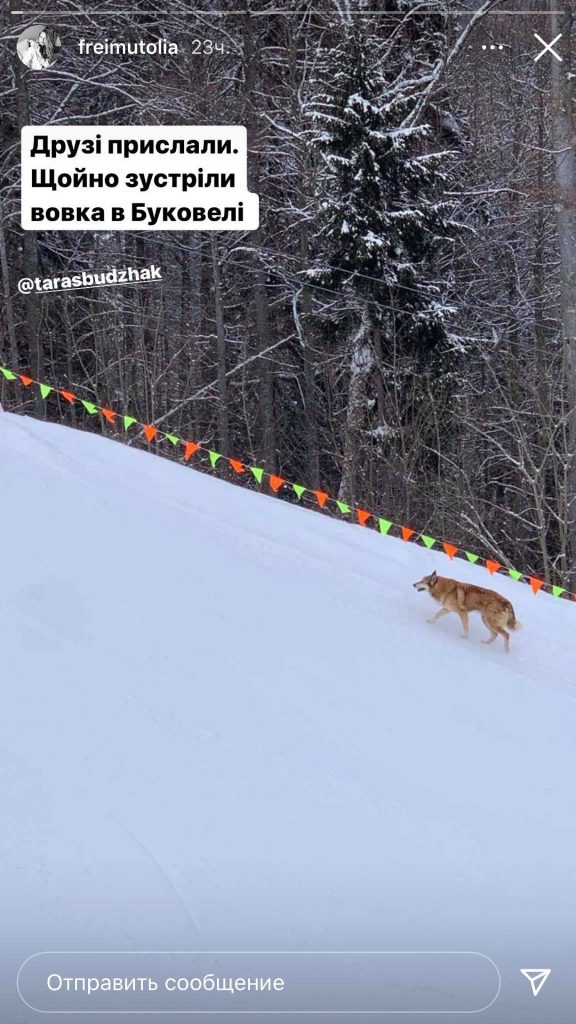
{"x":427,"y":583}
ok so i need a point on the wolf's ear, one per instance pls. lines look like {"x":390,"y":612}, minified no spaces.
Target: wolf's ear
{"x":434,"y":575}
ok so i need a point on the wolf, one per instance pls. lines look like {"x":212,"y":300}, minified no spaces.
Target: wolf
{"x":497,"y":613}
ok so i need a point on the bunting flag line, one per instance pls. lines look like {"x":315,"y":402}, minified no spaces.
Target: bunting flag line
{"x":279,"y":485}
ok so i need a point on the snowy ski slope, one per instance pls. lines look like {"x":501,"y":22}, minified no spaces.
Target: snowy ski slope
{"x":227,"y":724}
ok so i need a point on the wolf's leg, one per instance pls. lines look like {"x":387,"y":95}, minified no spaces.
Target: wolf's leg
{"x":506,"y":636}
{"x":502,"y":633}
{"x":464,"y":620}
{"x":439,"y":615}
{"x":493,"y":622}
{"x":493,"y":633}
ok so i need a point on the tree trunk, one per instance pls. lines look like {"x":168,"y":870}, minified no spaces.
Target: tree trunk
{"x":30,"y":260}
{"x":310,"y":412}
{"x":12,"y":346}
{"x":563,"y":133}
{"x":223,"y":433}
{"x":361,"y":364}
{"x":263,"y":366}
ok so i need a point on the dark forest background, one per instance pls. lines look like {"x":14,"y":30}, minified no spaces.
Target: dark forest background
{"x":401,"y":330}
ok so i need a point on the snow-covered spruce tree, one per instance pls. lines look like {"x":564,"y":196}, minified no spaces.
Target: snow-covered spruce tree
{"x":382,"y":226}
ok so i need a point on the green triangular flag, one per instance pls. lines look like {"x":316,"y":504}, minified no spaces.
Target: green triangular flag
{"x":214,"y":456}
{"x":8,"y":373}
{"x":45,"y":390}
{"x":385,"y":525}
{"x":257,"y":472}
{"x":172,"y":438}
{"x":89,"y":406}
{"x":557,"y":591}
{"x":128,"y":421}
{"x":344,"y":508}
{"x":471,"y":557}
{"x":515,"y":574}
{"x":428,"y":541}
{"x":298,"y":490}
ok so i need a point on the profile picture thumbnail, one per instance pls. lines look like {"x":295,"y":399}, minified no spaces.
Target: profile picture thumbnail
{"x":38,"y":47}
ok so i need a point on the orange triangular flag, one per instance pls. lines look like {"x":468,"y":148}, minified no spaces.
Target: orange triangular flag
{"x":149,"y":432}
{"x":536,"y":584}
{"x":109,"y":415}
{"x":190,"y":449}
{"x":492,"y":566}
{"x":69,"y":397}
{"x":27,"y":381}
{"x":407,"y":532}
{"x":450,"y":549}
{"x":276,"y":483}
{"x":237,"y":466}
{"x":321,"y":498}
{"x":362,"y":516}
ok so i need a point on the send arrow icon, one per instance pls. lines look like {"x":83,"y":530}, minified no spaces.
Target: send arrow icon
{"x":537,"y":976}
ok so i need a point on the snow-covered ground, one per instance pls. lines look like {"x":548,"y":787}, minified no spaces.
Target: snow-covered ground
{"x":226,"y":724}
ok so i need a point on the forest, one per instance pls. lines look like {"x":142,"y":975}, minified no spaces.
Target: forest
{"x":400,"y":331}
